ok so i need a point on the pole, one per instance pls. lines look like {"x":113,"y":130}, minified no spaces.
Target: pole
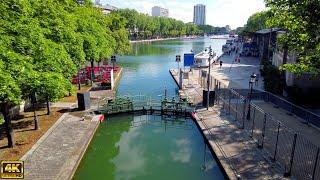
{"x":277,"y":140}
{"x":269,"y":44}
{"x":208,"y":80}
{"x":292,"y":156}
{"x":79,"y":80}
{"x":208,"y":85}
{"x":249,"y":104}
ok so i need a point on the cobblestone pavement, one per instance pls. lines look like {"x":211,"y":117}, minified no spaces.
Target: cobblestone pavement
{"x":57,"y":153}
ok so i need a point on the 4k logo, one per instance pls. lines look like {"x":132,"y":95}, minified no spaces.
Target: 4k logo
{"x":11,"y":170}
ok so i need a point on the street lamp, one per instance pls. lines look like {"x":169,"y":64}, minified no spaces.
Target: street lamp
{"x":252,"y":80}
{"x":208,"y":80}
{"x":178,"y":60}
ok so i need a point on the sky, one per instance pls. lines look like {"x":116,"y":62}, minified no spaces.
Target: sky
{"x":219,"y":12}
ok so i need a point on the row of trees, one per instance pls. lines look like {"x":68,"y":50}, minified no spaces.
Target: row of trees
{"x":143,"y":26}
{"x":210,"y":30}
{"x":300,"y":20}
{"x":44,"y":42}
{"x":255,"y":22}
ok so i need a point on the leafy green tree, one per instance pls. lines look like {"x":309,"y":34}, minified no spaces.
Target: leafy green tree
{"x":53,"y":87}
{"x":301,"y":21}
{"x":44,"y":42}
{"x":9,"y":97}
{"x":256,"y":22}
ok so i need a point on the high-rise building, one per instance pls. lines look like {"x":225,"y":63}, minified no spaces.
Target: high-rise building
{"x":159,"y":11}
{"x":199,"y":14}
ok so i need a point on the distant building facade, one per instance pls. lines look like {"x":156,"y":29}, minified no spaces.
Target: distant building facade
{"x":106,"y":9}
{"x":199,"y":14}
{"x":159,"y":11}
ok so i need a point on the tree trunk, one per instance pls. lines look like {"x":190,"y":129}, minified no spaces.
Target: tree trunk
{"x":92,"y":71}
{"x":8,"y":126}
{"x":79,"y":80}
{"x":35,"y":117}
{"x":48,"y":106}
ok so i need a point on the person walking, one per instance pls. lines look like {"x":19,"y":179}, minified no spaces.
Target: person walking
{"x":220,"y":64}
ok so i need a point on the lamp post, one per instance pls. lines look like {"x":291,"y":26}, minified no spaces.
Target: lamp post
{"x":252,"y":80}
{"x":178,"y":60}
{"x":208,"y":80}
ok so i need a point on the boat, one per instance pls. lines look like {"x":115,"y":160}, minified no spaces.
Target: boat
{"x":202,"y":59}
{"x":219,"y":37}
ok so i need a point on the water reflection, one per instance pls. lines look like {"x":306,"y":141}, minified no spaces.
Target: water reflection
{"x":150,"y":147}
{"x":148,"y":48}
{"x":147,"y":147}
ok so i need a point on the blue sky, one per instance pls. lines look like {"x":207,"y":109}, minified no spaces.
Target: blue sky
{"x":219,"y":12}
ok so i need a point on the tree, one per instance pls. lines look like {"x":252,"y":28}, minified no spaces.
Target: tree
{"x":43,"y":42}
{"x":301,"y":21}
{"x":256,"y":22}
{"x":9,"y":97}
{"x":53,"y":87}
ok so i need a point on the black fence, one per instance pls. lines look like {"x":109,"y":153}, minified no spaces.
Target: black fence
{"x":292,"y":151}
{"x":305,"y":115}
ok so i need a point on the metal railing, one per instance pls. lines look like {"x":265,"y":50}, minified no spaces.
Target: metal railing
{"x":305,"y":115}
{"x":297,"y":155}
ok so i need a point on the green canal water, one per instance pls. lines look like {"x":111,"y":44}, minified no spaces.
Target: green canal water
{"x":148,"y":147}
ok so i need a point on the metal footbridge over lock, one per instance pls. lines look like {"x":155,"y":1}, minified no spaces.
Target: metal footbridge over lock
{"x":147,"y":105}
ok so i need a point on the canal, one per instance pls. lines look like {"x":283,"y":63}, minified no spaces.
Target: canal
{"x":147,"y":146}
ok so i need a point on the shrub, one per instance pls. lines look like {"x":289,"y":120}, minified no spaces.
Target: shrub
{"x":273,"y":80}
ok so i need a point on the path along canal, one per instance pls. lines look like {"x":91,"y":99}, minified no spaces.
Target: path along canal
{"x":147,"y":146}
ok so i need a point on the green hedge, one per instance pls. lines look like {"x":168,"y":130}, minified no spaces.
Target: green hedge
{"x":273,"y":80}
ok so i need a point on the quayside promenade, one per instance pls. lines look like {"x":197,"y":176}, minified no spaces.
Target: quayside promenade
{"x":269,"y":143}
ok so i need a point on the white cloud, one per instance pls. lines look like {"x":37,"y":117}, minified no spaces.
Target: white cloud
{"x":219,"y":12}
{"x":183,"y":152}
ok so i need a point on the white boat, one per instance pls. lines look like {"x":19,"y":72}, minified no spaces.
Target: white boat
{"x":220,"y":36}
{"x":202,"y":59}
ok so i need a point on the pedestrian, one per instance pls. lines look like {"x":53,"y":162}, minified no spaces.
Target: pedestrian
{"x":257,"y":80}
{"x":220,"y":64}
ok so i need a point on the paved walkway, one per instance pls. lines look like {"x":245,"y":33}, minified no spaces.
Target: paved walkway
{"x":291,"y":121}
{"x":237,"y":152}
{"x":58,"y":152}
{"x":234,"y":149}
{"x":237,"y":75}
